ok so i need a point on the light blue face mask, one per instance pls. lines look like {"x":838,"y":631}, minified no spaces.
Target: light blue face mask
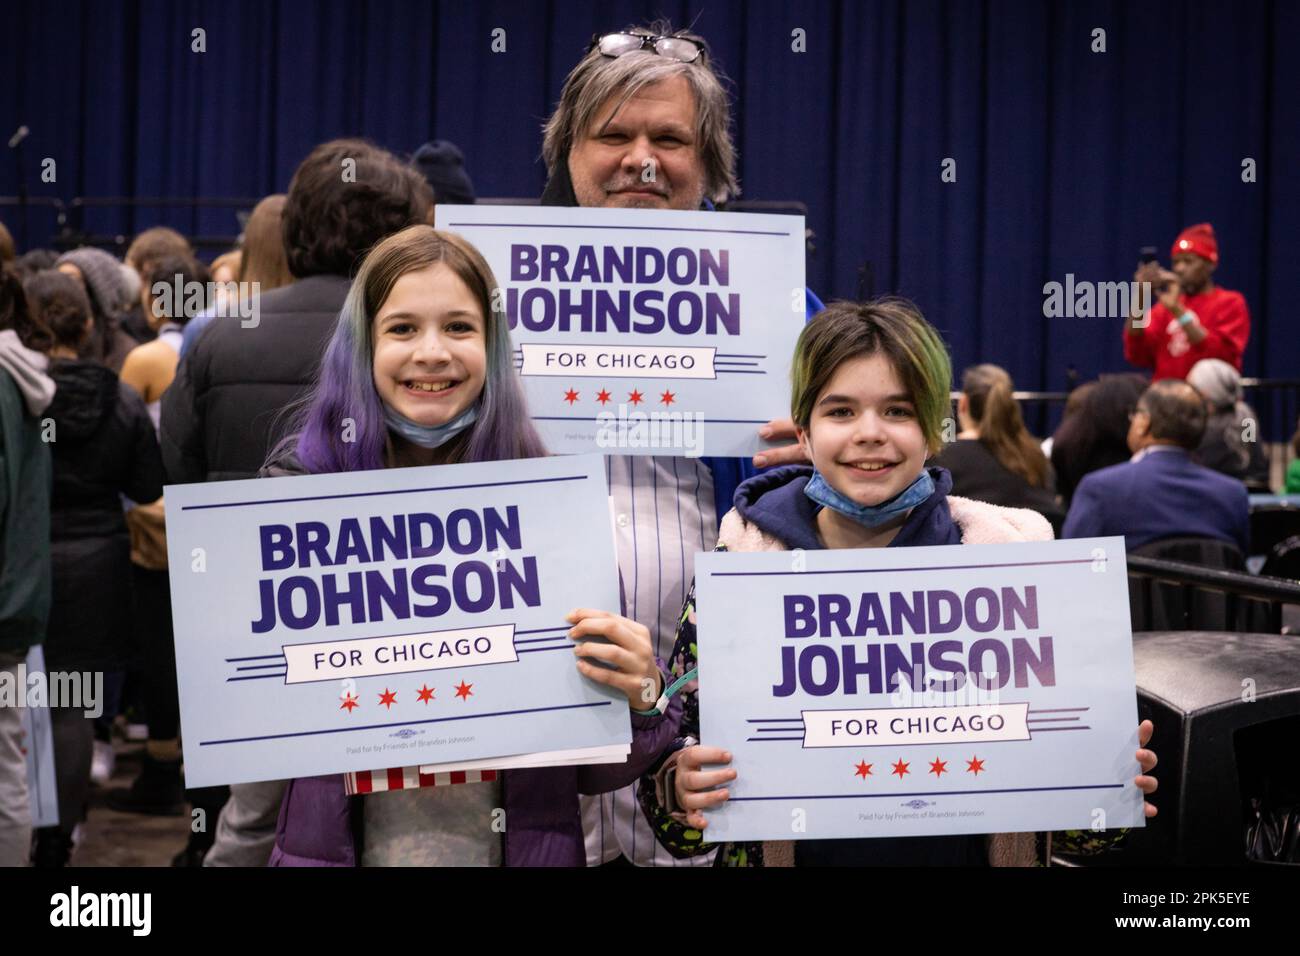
{"x":872,"y":516}
{"x":429,"y":436}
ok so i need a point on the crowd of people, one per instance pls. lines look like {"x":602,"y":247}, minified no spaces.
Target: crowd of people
{"x":108,"y":390}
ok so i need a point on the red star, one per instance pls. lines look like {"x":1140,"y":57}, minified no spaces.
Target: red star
{"x":900,"y":768}
{"x":602,"y":396}
{"x":349,"y":702}
{"x":463,"y":691}
{"x":635,"y":398}
{"x":570,"y":396}
{"x":863,"y":771}
{"x":938,"y":767}
{"x":388,"y":698}
{"x":425,"y":693}
{"x":667,"y":397}
{"x":974,"y":765}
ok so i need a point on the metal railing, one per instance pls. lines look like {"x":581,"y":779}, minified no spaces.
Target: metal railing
{"x":70,"y":217}
{"x":1236,"y":586}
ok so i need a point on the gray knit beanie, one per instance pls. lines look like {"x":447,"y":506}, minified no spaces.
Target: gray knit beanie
{"x":104,"y":278}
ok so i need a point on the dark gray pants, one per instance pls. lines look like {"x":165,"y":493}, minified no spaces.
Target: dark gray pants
{"x":74,"y":745}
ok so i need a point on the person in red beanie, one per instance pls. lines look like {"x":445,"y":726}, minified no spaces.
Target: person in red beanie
{"x":1193,"y":318}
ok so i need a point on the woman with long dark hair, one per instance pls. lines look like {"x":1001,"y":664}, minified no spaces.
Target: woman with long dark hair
{"x":994,"y":458}
{"x":1096,"y":436}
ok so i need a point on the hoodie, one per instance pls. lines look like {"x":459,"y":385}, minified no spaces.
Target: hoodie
{"x":774,"y":504}
{"x":25,"y":392}
{"x":27,"y":370}
{"x":103,"y":449}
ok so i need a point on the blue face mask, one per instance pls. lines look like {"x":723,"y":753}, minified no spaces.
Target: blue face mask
{"x":424,"y":435}
{"x":871,"y":516}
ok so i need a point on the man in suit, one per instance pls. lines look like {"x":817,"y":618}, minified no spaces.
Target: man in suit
{"x":1161,"y":492}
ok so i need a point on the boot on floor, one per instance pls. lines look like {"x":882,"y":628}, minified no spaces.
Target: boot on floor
{"x":53,"y":848}
{"x":157,"y":791}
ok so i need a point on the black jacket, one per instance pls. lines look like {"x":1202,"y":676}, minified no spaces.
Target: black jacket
{"x":976,"y":473}
{"x":234,"y":390}
{"x":103,"y":448}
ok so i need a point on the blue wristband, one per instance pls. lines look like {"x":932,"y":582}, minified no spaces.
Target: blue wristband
{"x":670,"y":690}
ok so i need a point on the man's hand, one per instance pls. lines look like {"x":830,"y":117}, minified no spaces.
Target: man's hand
{"x":1152,"y":274}
{"x":780,"y":429}
{"x":1169,"y":291}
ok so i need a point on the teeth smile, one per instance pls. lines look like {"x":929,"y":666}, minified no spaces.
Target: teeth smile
{"x":877,"y":467}
{"x":429,"y":386}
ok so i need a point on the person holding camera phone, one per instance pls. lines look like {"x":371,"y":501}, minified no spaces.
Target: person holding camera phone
{"x":1191,"y":318}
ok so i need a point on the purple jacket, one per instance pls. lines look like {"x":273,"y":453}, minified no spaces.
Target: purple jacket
{"x":543,"y":826}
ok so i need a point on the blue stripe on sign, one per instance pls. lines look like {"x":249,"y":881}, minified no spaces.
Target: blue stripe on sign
{"x":930,"y":793}
{"x":376,"y":494}
{"x":400,"y":723}
{"x":552,"y":225}
{"x":941,"y":567}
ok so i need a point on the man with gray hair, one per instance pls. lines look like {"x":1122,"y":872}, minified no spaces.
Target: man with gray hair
{"x":644,"y":122}
{"x":1161,"y":492}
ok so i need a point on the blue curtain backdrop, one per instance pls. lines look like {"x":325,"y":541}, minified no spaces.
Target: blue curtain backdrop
{"x":1067,"y":160}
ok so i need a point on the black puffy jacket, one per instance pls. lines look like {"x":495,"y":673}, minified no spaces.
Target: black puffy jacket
{"x":103,"y":448}
{"x":234,"y":388}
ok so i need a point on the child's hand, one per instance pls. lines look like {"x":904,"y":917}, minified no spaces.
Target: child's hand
{"x":691,"y":785}
{"x":629,"y":650}
{"x":1147,"y":761}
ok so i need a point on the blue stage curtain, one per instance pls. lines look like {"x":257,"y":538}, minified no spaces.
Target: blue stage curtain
{"x":1067,"y":160}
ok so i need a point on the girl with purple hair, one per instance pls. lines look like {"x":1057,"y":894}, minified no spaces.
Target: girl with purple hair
{"x":420,"y":372}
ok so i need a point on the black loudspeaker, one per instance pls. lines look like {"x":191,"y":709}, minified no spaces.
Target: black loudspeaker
{"x":1226,"y":709}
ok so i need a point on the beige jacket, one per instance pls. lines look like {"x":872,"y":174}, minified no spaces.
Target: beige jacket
{"x":978,"y":523}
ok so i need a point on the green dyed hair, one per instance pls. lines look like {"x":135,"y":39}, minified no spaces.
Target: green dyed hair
{"x":892,"y":326}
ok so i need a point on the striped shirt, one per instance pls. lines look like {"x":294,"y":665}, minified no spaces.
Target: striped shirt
{"x":663,"y":515}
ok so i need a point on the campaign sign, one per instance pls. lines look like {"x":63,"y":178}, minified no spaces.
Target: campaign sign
{"x":920,"y":691}
{"x":642,"y":331}
{"x":333,"y":623}
{"x":38,"y":750}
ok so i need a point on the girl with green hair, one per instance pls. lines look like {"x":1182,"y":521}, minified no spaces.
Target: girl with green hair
{"x":871,"y":403}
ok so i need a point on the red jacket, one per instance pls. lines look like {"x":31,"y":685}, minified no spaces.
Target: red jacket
{"x":1164,"y":346}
